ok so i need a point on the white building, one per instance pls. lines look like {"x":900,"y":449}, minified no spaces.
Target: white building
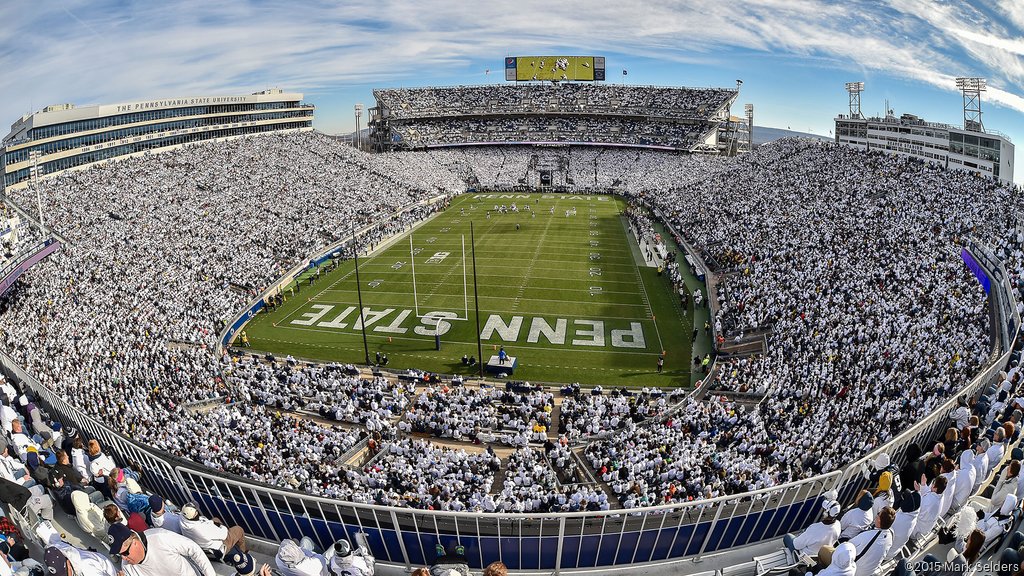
{"x":66,"y":137}
{"x":987,"y":153}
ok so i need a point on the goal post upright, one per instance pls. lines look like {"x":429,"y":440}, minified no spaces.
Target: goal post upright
{"x":412,"y":261}
{"x":465,"y":286}
{"x":359,"y":292}
{"x":476,"y":301}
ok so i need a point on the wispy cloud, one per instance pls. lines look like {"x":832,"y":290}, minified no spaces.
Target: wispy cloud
{"x":120,"y":50}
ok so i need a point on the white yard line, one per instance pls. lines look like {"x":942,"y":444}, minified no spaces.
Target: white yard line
{"x":529,"y":267}
{"x":650,"y":313}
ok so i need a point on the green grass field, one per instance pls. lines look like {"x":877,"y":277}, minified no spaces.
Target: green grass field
{"x":569,"y":296}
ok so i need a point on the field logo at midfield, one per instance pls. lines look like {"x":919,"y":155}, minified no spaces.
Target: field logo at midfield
{"x":536,"y":330}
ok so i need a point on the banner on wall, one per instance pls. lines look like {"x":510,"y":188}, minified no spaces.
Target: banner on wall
{"x":10,"y":276}
{"x":979,"y":272}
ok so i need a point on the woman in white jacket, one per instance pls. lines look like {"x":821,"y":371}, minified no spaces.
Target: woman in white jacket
{"x":964,"y":486}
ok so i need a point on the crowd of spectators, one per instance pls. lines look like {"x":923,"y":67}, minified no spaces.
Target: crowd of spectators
{"x":585,"y":113}
{"x":576,"y":129}
{"x":851,"y":258}
{"x":701,"y":451}
{"x":553,"y":99}
{"x":332,"y":391}
{"x":534,"y":487}
{"x":585,"y":415}
{"x":588,"y":169}
{"x":417,"y":473}
{"x":483,"y":414}
{"x":43,"y":463}
{"x":874,"y":319}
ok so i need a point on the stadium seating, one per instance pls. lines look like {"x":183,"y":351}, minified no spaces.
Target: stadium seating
{"x":779,"y":223}
{"x":574,"y":98}
{"x":576,"y":130}
{"x":321,"y":391}
{"x":679,"y":118}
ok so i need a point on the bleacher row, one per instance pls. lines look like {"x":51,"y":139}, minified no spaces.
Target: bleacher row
{"x":458,"y":131}
{"x":678,"y":118}
{"x":575,"y":98}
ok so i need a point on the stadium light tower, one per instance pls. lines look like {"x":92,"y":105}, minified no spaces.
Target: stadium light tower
{"x":854,"y":89}
{"x":972,"y":89}
{"x":359,"y":114}
{"x":748,"y":110}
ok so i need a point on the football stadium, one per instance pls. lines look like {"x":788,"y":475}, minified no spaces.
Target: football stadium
{"x":551,"y":326}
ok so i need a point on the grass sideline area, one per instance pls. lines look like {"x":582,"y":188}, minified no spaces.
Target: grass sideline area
{"x":562,"y":286}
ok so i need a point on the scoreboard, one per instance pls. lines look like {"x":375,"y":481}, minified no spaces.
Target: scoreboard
{"x":554,"y":68}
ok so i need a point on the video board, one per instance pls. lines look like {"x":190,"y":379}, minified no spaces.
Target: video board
{"x":554,"y":68}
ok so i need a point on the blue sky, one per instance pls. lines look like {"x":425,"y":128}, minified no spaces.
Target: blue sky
{"x":792,"y":55}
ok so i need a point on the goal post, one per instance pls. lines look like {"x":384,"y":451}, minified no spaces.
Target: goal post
{"x":412,"y":262}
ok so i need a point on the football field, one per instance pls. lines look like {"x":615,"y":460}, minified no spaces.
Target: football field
{"x":562,"y":287}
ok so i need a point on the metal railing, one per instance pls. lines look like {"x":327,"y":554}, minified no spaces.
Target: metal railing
{"x":407,"y":537}
{"x":25,"y":260}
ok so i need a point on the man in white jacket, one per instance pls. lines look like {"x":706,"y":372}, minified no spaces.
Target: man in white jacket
{"x":961,"y":414}
{"x":996,"y":451}
{"x":347,"y":562}
{"x":162,"y":517}
{"x":980,"y":462}
{"x":873,"y":545}
{"x":995,"y":524}
{"x":949,"y":473}
{"x":858,"y":519}
{"x":1004,"y":485}
{"x":931,"y":503}
{"x":210,"y":534}
{"x":904,"y":524}
{"x":293,"y":560}
{"x":63,"y":559}
{"x":825,"y":532}
{"x":158,"y":552}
